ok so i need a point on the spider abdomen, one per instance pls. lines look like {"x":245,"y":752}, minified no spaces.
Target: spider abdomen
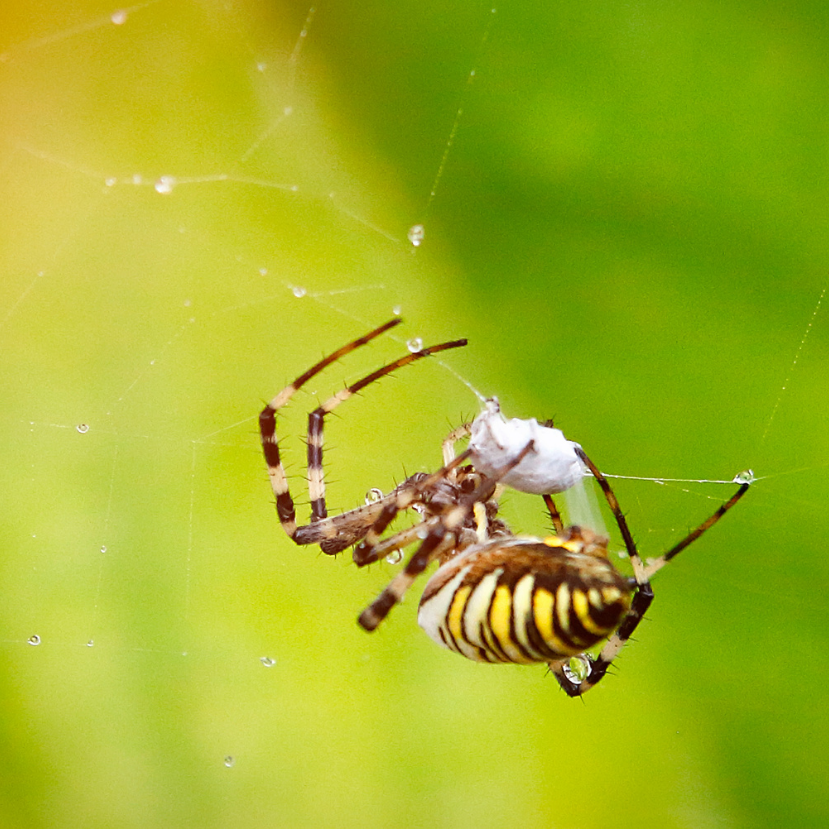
{"x":524,"y":600}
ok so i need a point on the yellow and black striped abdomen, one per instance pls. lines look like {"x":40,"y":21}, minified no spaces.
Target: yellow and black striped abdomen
{"x":524,"y":600}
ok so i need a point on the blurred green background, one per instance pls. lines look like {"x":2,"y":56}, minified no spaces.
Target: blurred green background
{"x":629,"y":224}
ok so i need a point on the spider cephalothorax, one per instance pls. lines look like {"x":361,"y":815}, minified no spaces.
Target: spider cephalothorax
{"x":495,"y":597}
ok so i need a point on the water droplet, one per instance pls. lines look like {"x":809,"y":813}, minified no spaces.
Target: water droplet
{"x":422,"y":533}
{"x":137,"y":178}
{"x":288,"y":110}
{"x":110,"y":181}
{"x":34,"y":639}
{"x":374,"y":495}
{"x":267,"y":661}
{"x":82,"y":428}
{"x":416,"y":234}
{"x":298,"y":292}
{"x":103,"y":548}
{"x":745,"y":477}
{"x":119,"y":17}
{"x":263,"y":271}
{"x":165,"y":184}
{"x":294,"y":188}
{"x":188,"y":303}
{"x":577,"y":669}
{"x":229,"y":761}
{"x":90,"y":643}
{"x":261,"y":66}
{"x":395,"y":557}
{"x":397,"y":310}
{"x":415,"y":344}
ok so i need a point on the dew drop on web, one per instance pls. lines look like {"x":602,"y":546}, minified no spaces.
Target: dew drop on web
{"x":165,"y":184}
{"x":416,"y":234}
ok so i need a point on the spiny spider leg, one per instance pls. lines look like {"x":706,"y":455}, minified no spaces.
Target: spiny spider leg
{"x":660,"y":562}
{"x":399,"y":540}
{"x":644,"y":593}
{"x":406,"y":495}
{"x":276,"y":471}
{"x":442,"y":536}
{"x":613,"y":503}
{"x":267,"y":426}
{"x":448,"y":445}
{"x":316,"y":483}
{"x":555,"y":515}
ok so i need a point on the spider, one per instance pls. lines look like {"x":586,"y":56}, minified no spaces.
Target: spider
{"x":496,"y":596}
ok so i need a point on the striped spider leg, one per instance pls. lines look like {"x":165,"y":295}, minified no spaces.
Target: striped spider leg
{"x":444,"y":539}
{"x":550,"y":466}
{"x":594,"y":669}
{"x":522,"y":600}
{"x":432,"y":496}
{"x":333,"y":534}
{"x":429,"y":494}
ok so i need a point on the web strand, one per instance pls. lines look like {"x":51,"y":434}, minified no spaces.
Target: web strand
{"x":793,"y":365}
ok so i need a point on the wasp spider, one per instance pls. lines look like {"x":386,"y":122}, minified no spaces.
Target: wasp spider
{"x":496,"y":597}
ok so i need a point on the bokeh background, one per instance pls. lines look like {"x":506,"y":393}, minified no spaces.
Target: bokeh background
{"x":625,"y":209}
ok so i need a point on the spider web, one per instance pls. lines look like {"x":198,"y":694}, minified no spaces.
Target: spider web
{"x":203,"y":198}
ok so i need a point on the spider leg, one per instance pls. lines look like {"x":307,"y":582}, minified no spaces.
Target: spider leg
{"x":437,"y":542}
{"x":339,"y":532}
{"x":448,"y":445}
{"x":267,"y":427}
{"x":409,"y":535}
{"x":692,"y":536}
{"x":398,"y":541}
{"x":644,"y":592}
{"x":316,"y":482}
{"x":555,"y":515}
{"x":598,"y":667}
{"x":364,"y":552}
{"x":440,"y":539}
{"x":613,"y":503}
